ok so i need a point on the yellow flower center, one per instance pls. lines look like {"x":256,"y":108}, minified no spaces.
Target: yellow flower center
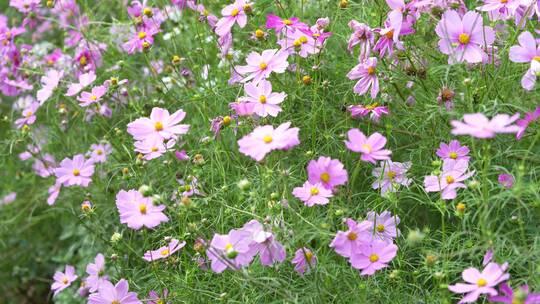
{"x":76,"y":172}
{"x":504,"y":1}
{"x":367,"y":147}
{"x":314,"y":191}
{"x":371,"y":70}
{"x":449,"y":179}
{"x":146,"y":45}
{"x":325,"y":177}
{"x":297,"y":43}
{"x":228,"y":247}
{"x":380,"y":228}
{"x":303,"y":39}
{"x":142,"y":208}
{"x":115,"y":302}
{"x":481,"y":282}
{"x":164,"y":252}
{"x":93,"y":97}
{"x":373,"y":105}
{"x":147,"y":11}
{"x":262,"y":99}
{"x":158,"y":126}
{"x":259,"y":33}
{"x":464,"y":38}
{"x":267,"y":139}
{"x":316,"y":35}
{"x":390,"y":34}
{"x":29,"y":113}
{"x":65,"y":281}
{"x":83,"y":60}
{"x":206,"y":13}
{"x":536,"y":58}
{"x":263,"y":66}
{"x":352,"y":236}
{"x":227,"y":120}
{"x":287,"y":22}
{"x":99,"y":151}
{"x":309,"y":256}
{"x":235,"y":12}
{"x":391,"y":174}
{"x":373,"y":258}
{"x":85,"y":207}
{"x":142,"y":35}
{"x":154,"y":149}
{"x":453,"y":155}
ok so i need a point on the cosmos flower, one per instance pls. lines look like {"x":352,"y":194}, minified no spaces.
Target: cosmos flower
{"x":453,"y":150}
{"x":154,"y":297}
{"x":283,"y":26}
{"x":260,"y":66}
{"x":366,"y":73}
{"x":479,"y":126}
{"x":153,"y":147}
{"x":300,"y":42}
{"x":506,"y":180}
{"x":371,"y":148}
{"x":524,"y":123}
{"x":522,"y":295}
{"x":165,"y":251}
{"x":528,"y":51}
{"x":265,"y":102}
{"x":304,"y":260}
{"x":28,"y":115}
{"x":77,"y":171}
{"x":85,"y":80}
{"x":451,"y":178}
{"x":117,"y":294}
{"x":373,"y":256}
{"x":232,"y":13}
{"x":478,"y":283}
{"x":95,"y":273}
{"x":312,"y":194}
{"x":346,"y":243}
{"x":463,"y":38}
{"x":49,"y":82}
{"x":99,"y":152}
{"x":384,"y":225}
{"x":329,"y":172}
{"x":138,"y":211}
{"x":374,"y":110}
{"x":63,"y":280}
{"x":88,"y":98}
{"x":264,"y":242}
{"x":230,"y":250}
{"x":141,"y":40}
{"x":500,"y":10}
{"x":390,"y":175}
{"x":363,"y":37}
{"x":161,"y":124}
{"x":265,"y":139}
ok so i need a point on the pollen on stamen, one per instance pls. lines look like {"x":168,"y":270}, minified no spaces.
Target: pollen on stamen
{"x":325,"y":177}
{"x":262,"y":99}
{"x":464,"y":38}
{"x":314,"y":191}
{"x":142,"y":35}
{"x":449,"y":179}
{"x":481,"y":282}
{"x":164,"y":252}
{"x":391,"y":174}
{"x":352,"y":236}
{"x":371,"y":70}
{"x":263,"y":65}
{"x":453,"y":155}
{"x":76,"y":172}
{"x":158,"y":126}
{"x":367,"y":147}
{"x":267,"y":139}
{"x":536,"y":58}
{"x":93,"y":97}
{"x":380,"y":228}
{"x":142,"y":208}
{"x":287,"y":22}
{"x":235,"y":12}
{"x":373,"y":258}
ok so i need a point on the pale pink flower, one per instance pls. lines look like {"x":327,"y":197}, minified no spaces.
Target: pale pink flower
{"x":312,"y":194}
{"x":478,"y":283}
{"x":370,"y":147}
{"x":28,"y":115}
{"x":329,"y":172}
{"x":264,"y":139}
{"x":63,"y":280}
{"x":265,"y":102}
{"x":373,"y":256}
{"x":138,"y":211}
{"x":49,"y":82}
{"x":114,"y":294}
{"x":164,"y":252}
{"x":88,"y":98}
{"x":260,"y":66}
{"x":390,"y":175}
{"x":232,"y":13}
{"x":75,"y":172}
{"x":99,"y":152}
{"x":153,"y":147}
{"x":366,"y":73}
{"x":346,"y":243}
{"x":479,"y":126}
{"x":95,"y":273}
{"x":384,"y":225}
{"x":451,"y":178}
{"x":160,"y":124}
{"x":84,"y":80}
{"x":304,"y":260}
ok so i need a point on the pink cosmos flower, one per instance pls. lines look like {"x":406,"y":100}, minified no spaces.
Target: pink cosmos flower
{"x":366,"y":72}
{"x":84,"y":80}
{"x":506,"y":180}
{"x":453,"y":150}
{"x":304,"y":260}
{"x":99,"y":152}
{"x":386,"y":42}
{"x":479,"y":126}
{"x":8,"y":198}
{"x":480,"y":282}
{"x":242,"y":108}
{"x":346,"y":243}
{"x":95,"y":273}
{"x":524,"y":123}
{"x":138,"y":211}
{"x":300,"y":42}
{"x":117,"y":294}
{"x":329,"y":172}
{"x":231,"y":250}
{"x":373,"y":256}
{"x":54,"y":191}
{"x":28,"y":115}
{"x":500,"y":10}
{"x":370,"y":147}
{"x":164,"y":252}
{"x":265,"y":102}
{"x":282,"y":26}
{"x":373,"y":110}
{"x":265,"y":139}
{"x":49,"y":82}
{"x":264,"y":243}
{"x":181,"y":155}
{"x":313,"y":194}
{"x":363,"y":37}
{"x":384,"y":225}
{"x":232,"y":13}
{"x":160,"y":124}
{"x":260,"y":66}
{"x":454,"y":173}
{"x":463,"y":38}
{"x":522,"y":295}
{"x":63,"y":280}
{"x":25,"y":6}
{"x":153,"y":147}
{"x":528,"y":51}
{"x":141,"y":40}
{"x":75,"y":172}
{"x":88,"y":98}
{"x":390,"y":175}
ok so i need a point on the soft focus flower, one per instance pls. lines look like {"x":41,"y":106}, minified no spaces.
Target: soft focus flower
{"x":155,"y":298}
{"x":164,"y":252}
{"x":524,"y":123}
{"x":63,"y":280}
{"x":99,"y":152}
{"x":260,"y":66}
{"x":479,"y":126}
{"x":506,"y":180}
{"x":28,"y":115}
{"x":138,"y":211}
{"x":374,"y":110}
{"x":232,"y":13}
{"x":522,"y":295}
{"x":366,"y":72}
{"x":117,"y":294}
{"x":480,"y":282}
{"x":363,"y":37}
{"x":283,"y":26}
{"x":370,"y":147}
{"x":453,"y":150}
{"x":77,"y":171}
{"x":95,"y":273}
{"x":153,"y":147}
{"x":329,"y":172}
{"x":231,"y":250}
{"x":373,"y":256}
{"x":528,"y":51}
{"x":304,"y":259}
{"x":8,"y":198}
{"x":85,"y":80}
{"x":452,"y":177}
{"x":49,"y":82}
{"x":312,"y":194}
{"x":88,"y":98}
{"x":264,"y":139}
{"x":390,"y":175}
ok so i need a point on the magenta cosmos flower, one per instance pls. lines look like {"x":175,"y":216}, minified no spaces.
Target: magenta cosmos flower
{"x":265,"y":102}
{"x":463,"y":39}
{"x":138,"y":211}
{"x":260,"y":66}
{"x":75,"y":172}
{"x":99,"y":152}
{"x":141,"y":40}
{"x":165,"y":251}
{"x":479,"y":126}
{"x":346,"y":243}
{"x":373,"y":256}
{"x":506,"y":180}
{"x":366,"y":73}
{"x":264,"y":139}
{"x":95,"y":273}
{"x":232,"y":13}
{"x":384,"y":225}
{"x":524,"y":123}
{"x":282,"y":26}
{"x":88,"y":98}
{"x":452,"y":177}
{"x":363,"y":37}
{"x":390,"y":175}
{"x":114,"y":294}
{"x":160,"y":124}
{"x":231,"y":250}
{"x":63,"y":280}
{"x":373,"y":110}
{"x":329,"y":172}
{"x":370,"y":147}
{"x":304,"y":260}
{"x":522,"y":295}
{"x":312,"y":194}
{"x":453,"y":150}
{"x":28,"y":115}
{"x":480,"y":282}
{"x":527,"y":51}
